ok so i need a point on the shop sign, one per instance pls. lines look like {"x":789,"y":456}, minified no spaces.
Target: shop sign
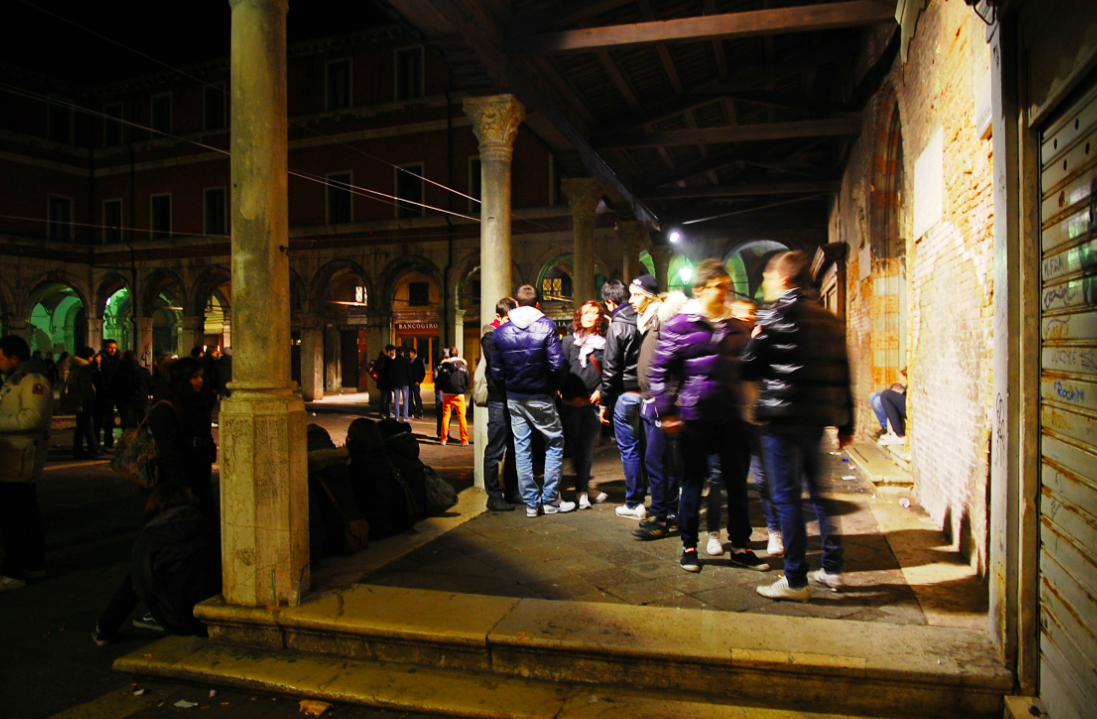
{"x":416,"y":326}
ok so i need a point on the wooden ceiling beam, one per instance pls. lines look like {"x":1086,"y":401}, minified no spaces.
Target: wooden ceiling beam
{"x":804,"y":18}
{"x":561,"y":14}
{"x":745,"y":190}
{"x":740,"y":133}
{"x":769,"y":154}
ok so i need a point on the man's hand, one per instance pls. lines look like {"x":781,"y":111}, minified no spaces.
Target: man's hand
{"x":756,"y":331}
{"x":602,"y":415}
{"x":672,"y":425}
{"x":844,"y":440}
{"x":596,"y":396}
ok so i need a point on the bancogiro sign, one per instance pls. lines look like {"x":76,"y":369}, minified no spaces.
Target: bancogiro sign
{"x":416,"y":326}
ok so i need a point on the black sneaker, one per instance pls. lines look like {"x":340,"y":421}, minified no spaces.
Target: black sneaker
{"x":690,"y":563}
{"x":747,"y":558}
{"x":148,"y":622}
{"x":498,"y":504}
{"x":651,"y":529}
{"x":100,"y":639}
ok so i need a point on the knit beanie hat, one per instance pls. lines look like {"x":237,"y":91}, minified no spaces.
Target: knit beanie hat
{"x":645,"y":284}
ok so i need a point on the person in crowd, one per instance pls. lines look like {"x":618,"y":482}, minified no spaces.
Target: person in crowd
{"x":380,"y":491}
{"x":500,"y":445}
{"x":402,"y":449}
{"x":215,"y":383}
{"x":416,"y":374}
{"x":437,"y":374}
{"x":584,"y":350}
{"x":382,"y":366}
{"x":798,"y":353}
{"x":401,"y":380}
{"x":528,"y":364}
{"x":332,"y":505}
{"x":26,"y":408}
{"x":78,"y":398}
{"x":132,"y":387}
{"x":621,"y":394}
{"x":180,"y":424}
{"x":51,"y":369}
{"x":697,"y":393}
{"x":744,"y":311}
{"x":63,"y":368}
{"x":161,"y":369}
{"x":455,"y":384}
{"x":893,"y":401}
{"x":662,"y":456}
{"x":175,"y":564}
{"x":104,"y":410}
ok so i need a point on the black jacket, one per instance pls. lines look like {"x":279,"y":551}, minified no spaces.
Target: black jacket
{"x":800,"y":358}
{"x":417,"y":372}
{"x":453,"y":376}
{"x":184,"y":444}
{"x":620,"y":372}
{"x":132,"y":385}
{"x":383,"y":367}
{"x":176,"y":563}
{"x":581,"y":381}
{"x":496,"y":392}
{"x":400,"y":371}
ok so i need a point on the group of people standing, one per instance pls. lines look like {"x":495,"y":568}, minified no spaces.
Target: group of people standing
{"x":696,"y":389}
{"x":399,"y":372}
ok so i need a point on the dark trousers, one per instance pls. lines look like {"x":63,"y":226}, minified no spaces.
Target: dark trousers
{"x":791,"y":455}
{"x":730,"y":440}
{"x":121,"y":605}
{"x":438,"y":396}
{"x":104,"y":425}
{"x":21,"y":524}
{"x":85,"y":433}
{"x":757,"y":470}
{"x":581,"y":430}
{"x":386,"y":401}
{"x":416,"y":400}
{"x":895,"y":406}
{"x":499,"y":450}
{"x":663,"y":462}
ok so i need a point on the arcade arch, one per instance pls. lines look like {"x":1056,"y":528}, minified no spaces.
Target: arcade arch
{"x":56,"y":318}
{"x":555,"y":285}
{"x":889,"y":282}
{"x":746,"y":263}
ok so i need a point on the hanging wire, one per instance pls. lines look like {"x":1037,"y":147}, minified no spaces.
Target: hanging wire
{"x":204,"y":83}
{"x":754,"y":209}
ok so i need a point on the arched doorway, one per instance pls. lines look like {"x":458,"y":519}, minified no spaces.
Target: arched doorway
{"x":118,"y":319}
{"x":347,"y":347}
{"x":167,"y":325}
{"x":57,"y":320}
{"x":416,"y":314}
{"x":889,"y":282}
{"x":747,"y":262}
{"x":555,"y":286}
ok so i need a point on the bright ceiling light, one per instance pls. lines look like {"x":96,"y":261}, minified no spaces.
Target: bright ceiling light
{"x":686,"y":273}
{"x":675,"y":236}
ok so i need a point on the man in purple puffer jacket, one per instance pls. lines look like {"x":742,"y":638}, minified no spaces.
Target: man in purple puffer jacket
{"x":697,"y":394}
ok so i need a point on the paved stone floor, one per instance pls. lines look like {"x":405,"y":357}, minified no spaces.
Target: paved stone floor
{"x":591,"y":556}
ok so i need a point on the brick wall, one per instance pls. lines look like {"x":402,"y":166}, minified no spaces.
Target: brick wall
{"x":948,"y":284}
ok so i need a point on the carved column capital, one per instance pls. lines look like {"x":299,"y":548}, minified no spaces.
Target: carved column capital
{"x":633,"y":234}
{"x":583,"y":194}
{"x":495,"y":121}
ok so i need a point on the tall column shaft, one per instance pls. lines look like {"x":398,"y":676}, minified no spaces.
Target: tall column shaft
{"x":144,"y":341}
{"x":660,"y":257}
{"x":583,"y":194}
{"x":95,"y":333}
{"x":194,"y":333}
{"x":333,"y":359}
{"x":264,"y":495}
{"x":634,"y":237}
{"x":495,"y":122}
{"x":312,"y":360}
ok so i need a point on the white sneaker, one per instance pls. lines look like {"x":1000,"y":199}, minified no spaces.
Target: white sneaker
{"x":560,"y":507}
{"x":776,"y":546}
{"x":532,"y":512}
{"x":638,"y":512}
{"x":891,"y":439}
{"x":584,"y":501}
{"x":714,"y":548}
{"x":828,"y":580}
{"x":600,"y":497}
{"x":781,"y":590}
{"x":7,"y":584}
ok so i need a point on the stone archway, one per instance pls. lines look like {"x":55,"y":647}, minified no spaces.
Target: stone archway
{"x":211,"y":306}
{"x":162,"y":309}
{"x":746,"y":262}
{"x":888,"y":245}
{"x":57,"y":318}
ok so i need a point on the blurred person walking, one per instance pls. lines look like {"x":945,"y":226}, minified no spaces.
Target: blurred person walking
{"x":697,"y":393}
{"x":798,"y":353}
{"x":584,"y":350}
{"x":500,"y":445}
{"x":26,"y":408}
{"x":527,"y":362}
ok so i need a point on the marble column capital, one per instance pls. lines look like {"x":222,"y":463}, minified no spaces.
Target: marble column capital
{"x":633,"y":234}
{"x":495,"y":121}
{"x":583,"y":194}
{"x":661,"y":253}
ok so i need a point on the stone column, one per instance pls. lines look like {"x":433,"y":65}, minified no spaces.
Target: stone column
{"x":95,"y":333}
{"x":633,"y":236}
{"x":378,"y":331}
{"x":459,"y":333}
{"x":333,"y":359}
{"x":264,"y":496}
{"x":226,"y":334}
{"x":16,"y":325}
{"x":495,"y":122}
{"x":312,"y":359}
{"x":144,"y":341}
{"x":583,"y":194}
{"x":194,"y":333}
{"x":660,"y":257}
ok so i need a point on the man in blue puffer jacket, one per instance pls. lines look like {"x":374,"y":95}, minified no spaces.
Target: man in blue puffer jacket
{"x":527,"y":361}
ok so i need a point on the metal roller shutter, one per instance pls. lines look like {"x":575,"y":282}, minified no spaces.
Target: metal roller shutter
{"x":1068,"y":412}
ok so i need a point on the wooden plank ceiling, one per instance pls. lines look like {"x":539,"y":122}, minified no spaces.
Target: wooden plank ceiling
{"x":685,"y":109}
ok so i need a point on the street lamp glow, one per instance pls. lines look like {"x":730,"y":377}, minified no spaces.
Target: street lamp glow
{"x":686,"y":273}
{"x":675,"y":236}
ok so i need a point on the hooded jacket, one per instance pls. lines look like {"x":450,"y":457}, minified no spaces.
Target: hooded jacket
{"x":526,"y":358}
{"x":695,"y":372}
{"x":26,"y":408}
{"x":453,"y":376}
{"x":800,"y":358}
{"x":651,"y":327}
{"x":620,"y":373}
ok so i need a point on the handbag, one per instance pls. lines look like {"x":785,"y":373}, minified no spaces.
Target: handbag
{"x":440,"y":493}
{"x":480,"y":384}
{"x":135,"y":456}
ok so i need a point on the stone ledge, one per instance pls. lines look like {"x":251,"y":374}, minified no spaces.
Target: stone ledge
{"x":878,"y":466}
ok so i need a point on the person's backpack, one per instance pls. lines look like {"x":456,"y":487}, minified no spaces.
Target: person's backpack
{"x":480,"y":384}
{"x":135,"y":456}
{"x":440,"y":494}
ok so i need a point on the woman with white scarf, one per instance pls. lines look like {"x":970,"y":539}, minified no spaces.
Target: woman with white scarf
{"x":580,"y":395}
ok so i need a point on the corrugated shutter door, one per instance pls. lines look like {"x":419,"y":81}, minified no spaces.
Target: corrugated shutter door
{"x":1068,"y":413}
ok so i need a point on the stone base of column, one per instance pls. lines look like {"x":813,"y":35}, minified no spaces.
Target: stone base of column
{"x":479,"y":444}
{"x":264,"y":497}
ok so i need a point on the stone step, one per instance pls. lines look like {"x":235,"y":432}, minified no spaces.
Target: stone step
{"x":408,"y":688}
{"x":792,"y":663}
{"x":879,"y":465}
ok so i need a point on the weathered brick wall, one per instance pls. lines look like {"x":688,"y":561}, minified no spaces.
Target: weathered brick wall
{"x":949,"y":292}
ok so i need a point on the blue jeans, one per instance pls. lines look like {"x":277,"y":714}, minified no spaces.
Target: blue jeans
{"x":403,"y":403}
{"x":663,"y":463}
{"x":581,"y":430}
{"x":791,"y":455}
{"x":626,"y":428}
{"x":761,"y":484}
{"x":499,"y":450}
{"x":526,"y":415}
{"x":878,"y":409}
{"x":731,"y":441}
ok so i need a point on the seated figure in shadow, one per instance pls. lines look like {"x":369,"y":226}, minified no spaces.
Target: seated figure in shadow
{"x":380,"y":490}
